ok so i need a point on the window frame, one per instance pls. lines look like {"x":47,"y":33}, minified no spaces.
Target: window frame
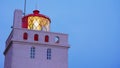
{"x":36,"y":37}
{"x":32,"y":52}
{"x":57,"y":39}
{"x":49,"y":54}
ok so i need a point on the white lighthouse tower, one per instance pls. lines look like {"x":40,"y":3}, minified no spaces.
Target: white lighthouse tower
{"x":32,"y":45}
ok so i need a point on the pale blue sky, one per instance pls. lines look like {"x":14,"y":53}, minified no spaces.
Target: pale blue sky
{"x":93,"y":27}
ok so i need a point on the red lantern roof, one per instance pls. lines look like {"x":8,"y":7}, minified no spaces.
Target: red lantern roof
{"x":36,"y":13}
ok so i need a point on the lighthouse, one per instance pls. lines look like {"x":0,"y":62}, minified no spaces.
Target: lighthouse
{"x":31,"y":44}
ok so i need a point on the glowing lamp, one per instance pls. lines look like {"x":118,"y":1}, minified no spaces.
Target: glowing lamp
{"x":36,"y":21}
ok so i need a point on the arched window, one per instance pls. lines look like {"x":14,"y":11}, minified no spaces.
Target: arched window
{"x":48,"y":54}
{"x":46,"y":38}
{"x":32,"y":52}
{"x":57,"y":39}
{"x":36,"y":37}
{"x":25,"y":36}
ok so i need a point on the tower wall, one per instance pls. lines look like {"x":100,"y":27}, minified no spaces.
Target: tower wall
{"x":8,"y":57}
{"x":20,"y":52}
{"x":21,"y":58}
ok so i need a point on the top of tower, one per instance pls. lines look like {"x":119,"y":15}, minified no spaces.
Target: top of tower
{"x":36,"y":21}
{"x":37,"y":13}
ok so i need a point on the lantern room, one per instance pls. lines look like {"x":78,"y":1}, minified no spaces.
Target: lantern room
{"x":36,"y":21}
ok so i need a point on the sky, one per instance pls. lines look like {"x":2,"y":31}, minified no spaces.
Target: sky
{"x":93,"y":27}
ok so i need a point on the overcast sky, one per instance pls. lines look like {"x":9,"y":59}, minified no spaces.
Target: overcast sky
{"x":93,"y":27}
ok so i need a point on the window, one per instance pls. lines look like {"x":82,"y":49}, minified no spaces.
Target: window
{"x":46,"y":38}
{"x":37,"y":23}
{"x":25,"y":36}
{"x":36,"y":37}
{"x":32,"y":52}
{"x":57,"y":39}
{"x":48,"y":54}
{"x":34,"y":23}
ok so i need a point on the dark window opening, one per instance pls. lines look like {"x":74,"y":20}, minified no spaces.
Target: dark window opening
{"x":46,"y":38}
{"x":36,"y":37}
{"x":25,"y":36}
